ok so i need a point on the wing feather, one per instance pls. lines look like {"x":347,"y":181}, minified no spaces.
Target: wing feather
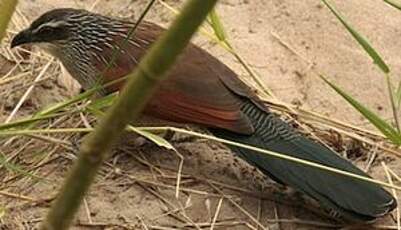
{"x":195,"y":91}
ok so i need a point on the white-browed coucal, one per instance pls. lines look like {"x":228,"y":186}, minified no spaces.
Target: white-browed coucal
{"x":202,"y":90}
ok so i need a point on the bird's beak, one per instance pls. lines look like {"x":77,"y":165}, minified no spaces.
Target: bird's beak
{"x":22,"y":37}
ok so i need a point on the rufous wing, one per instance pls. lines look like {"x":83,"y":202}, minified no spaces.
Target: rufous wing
{"x":194,"y":92}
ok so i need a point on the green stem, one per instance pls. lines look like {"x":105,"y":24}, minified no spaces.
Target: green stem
{"x":393,"y":104}
{"x":7,"y":10}
{"x":393,"y":3}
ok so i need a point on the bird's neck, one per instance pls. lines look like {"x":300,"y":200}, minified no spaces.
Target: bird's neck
{"x":88,"y":59}
{"x":77,"y":61}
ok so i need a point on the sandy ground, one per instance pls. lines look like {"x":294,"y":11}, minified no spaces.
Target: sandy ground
{"x":287,"y":43}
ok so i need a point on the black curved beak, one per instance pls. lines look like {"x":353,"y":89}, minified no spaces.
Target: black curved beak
{"x":22,"y":37}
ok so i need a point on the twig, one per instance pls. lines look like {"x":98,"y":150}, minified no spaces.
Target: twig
{"x":18,"y":196}
{"x":216,"y":214}
{"x":87,"y":211}
{"x":29,"y":90}
{"x":394,"y":193}
{"x":239,"y":207}
{"x":305,"y":222}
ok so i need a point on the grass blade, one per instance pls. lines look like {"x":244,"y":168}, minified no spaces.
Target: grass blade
{"x":16,"y":168}
{"x":2,"y":212}
{"x":25,"y":122}
{"x":160,"y":141}
{"x":217,"y":26}
{"x":394,"y":4}
{"x":378,"y":122}
{"x":360,"y":39}
{"x":103,"y":102}
{"x":398,"y":95}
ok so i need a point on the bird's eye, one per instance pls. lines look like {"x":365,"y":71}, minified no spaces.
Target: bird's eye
{"x":46,"y":30}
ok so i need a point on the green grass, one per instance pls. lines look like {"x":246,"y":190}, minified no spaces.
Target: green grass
{"x":392,"y":132}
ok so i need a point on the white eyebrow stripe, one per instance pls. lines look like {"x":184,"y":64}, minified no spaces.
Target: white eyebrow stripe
{"x":53,"y":24}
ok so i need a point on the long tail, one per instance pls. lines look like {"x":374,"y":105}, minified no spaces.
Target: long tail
{"x":352,"y":199}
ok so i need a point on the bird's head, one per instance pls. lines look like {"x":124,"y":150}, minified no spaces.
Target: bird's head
{"x":53,"y":27}
{"x":66,"y":26}
{"x":73,"y":36}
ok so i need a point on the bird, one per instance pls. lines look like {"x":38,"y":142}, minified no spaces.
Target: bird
{"x":202,"y":90}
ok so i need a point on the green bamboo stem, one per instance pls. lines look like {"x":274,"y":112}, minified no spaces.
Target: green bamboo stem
{"x":141,"y":84}
{"x":7,"y":9}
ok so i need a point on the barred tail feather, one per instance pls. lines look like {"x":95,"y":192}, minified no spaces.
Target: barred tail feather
{"x":351,"y":198}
